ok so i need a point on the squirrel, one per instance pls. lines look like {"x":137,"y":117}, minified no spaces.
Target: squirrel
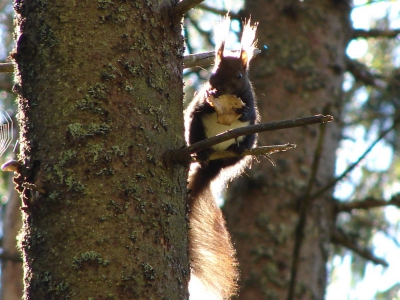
{"x":226,"y":101}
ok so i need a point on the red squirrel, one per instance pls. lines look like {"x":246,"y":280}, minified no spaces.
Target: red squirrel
{"x":211,"y":252}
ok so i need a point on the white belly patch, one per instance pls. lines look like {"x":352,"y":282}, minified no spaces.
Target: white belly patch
{"x":212,"y":128}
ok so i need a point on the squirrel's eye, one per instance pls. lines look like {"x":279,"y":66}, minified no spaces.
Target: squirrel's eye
{"x":239,"y":75}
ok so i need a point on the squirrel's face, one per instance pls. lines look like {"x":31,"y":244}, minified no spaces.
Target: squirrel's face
{"x":230,"y":77}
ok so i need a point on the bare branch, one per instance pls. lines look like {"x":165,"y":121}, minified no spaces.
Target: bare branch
{"x":372,"y":33}
{"x":184,"y":6}
{"x":367,"y":203}
{"x":15,"y":257}
{"x":6,"y":67}
{"x":199,"y":60}
{"x":182,"y":156}
{"x":247,"y":130}
{"x":204,"y":59}
{"x":362,"y":73}
{"x":339,"y":237}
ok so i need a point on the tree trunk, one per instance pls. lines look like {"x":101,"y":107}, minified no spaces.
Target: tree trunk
{"x":299,"y":75}
{"x":100,"y":98}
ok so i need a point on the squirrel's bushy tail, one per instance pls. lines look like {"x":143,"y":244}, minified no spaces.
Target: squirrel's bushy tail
{"x":212,"y":254}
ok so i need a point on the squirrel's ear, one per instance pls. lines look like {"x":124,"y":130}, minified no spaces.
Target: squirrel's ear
{"x":219,"y":54}
{"x":220,"y":51}
{"x":244,"y":57}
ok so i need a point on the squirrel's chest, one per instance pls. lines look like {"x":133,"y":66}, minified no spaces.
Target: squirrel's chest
{"x":212,"y":128}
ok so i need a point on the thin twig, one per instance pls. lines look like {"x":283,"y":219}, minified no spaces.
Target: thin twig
{"x":338,"y":237}
{"x":305,"y":204}
{"x":184,"y":6}
{"x":264,"y":150}
{"x":333,"y":182}
{"x":205,"y":59}
{"x":367,"y":203}
{"x":372,"y":33}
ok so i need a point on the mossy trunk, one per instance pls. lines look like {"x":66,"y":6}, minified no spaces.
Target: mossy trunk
{"x":300,"y":74}
{"x":100,"y":98}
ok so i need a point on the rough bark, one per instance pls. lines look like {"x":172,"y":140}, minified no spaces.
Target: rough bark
{"x":299,"y":75}
{"x":100,"y":98}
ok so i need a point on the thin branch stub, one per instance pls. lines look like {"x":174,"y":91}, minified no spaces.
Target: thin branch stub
{"x":184,"y":6}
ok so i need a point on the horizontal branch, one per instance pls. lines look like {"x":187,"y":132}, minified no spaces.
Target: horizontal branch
{"x":14,"y":257}
{"x":372,"y":33}
{"x":183,"y":155}
{"x":338,"y":237}
{"x":252,"y":129}
{"x":184,"y":6}
{"x":205,"y":59}
{"x":6,"y":67}
{"x":367,"y":203}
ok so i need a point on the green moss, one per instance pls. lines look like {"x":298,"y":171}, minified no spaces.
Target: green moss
{"x":87,"y":103}
{"x":116,"y":150}
{"x":116,"y":207}
{"x":95,"y":151}
{"x":76,"y":130}
{"x":106,"y":171}
{"x":130,"y":190}
{"x":128,"y":88}
{"x":140,"y":176}
{"x":88,"y":258}
{"x":79,"y":131}
{"x":104,"y":4}
{"x":73,"y":185}
{"x":66,"y":157}
{"x":131,"y":67}
{"x":54,"y":196}
{"x":99,"y":129}
{"x":119,"y":19}
{"x":54,"y":289}
{"x":148,"y":272}
{"x":46,"y":36}
{"x":99,"y":91}
{"x":109,"y":73}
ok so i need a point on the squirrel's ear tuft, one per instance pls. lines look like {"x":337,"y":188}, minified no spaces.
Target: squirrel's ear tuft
{"x":221,"y":32}
{"x":248,"y":42}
